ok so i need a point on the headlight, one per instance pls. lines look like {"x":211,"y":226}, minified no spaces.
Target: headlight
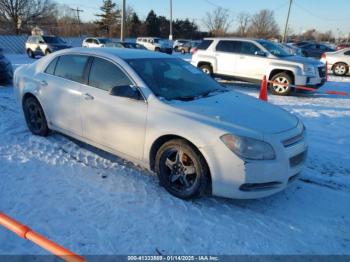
{"x":309,"y":70}
{"x":249,"y":148}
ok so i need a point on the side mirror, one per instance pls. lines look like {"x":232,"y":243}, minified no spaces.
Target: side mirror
{"x":260,"y":53}
{"x":126,"y":91}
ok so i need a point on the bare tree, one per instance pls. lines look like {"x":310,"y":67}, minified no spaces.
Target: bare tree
{"x":218,"y":21}
{"x":243,"y":20}
{"x":21,"y":12}
{"x":263,"y":25}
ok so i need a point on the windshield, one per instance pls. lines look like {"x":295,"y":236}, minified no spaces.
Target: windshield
{"x":104,"y":40}
{"x":53,"y":40}
{"x":174,"y":79}
{"x":274,"y":49}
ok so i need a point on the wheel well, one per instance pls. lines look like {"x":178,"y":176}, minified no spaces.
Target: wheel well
{"x":205,"y":63}
{"x":164,"y":139}
{"x":278,"y":71}
{"x":26,"y":96}
{"x":340,"y":63}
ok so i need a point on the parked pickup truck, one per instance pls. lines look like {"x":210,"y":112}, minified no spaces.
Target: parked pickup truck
{"x":251,"y":59}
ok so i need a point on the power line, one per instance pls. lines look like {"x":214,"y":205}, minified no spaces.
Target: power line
{"x":318,"y":16}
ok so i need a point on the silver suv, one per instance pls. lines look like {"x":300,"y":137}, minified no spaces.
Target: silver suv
{"x":251,"y":59}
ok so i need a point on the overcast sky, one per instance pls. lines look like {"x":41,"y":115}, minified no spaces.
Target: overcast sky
{"x":322,"y":15}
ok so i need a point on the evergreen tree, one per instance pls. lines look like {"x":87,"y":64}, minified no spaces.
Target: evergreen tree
{"x":134,"y":25}
{"x":152,"y":24}
{"x":109,"y":16}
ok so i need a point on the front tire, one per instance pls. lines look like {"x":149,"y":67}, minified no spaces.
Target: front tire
{"x":340,"y":69}
{"x":181,"y":169}
{"x":207,"y":69}
{"x":281,"y":85}
{"x":35,"y":117}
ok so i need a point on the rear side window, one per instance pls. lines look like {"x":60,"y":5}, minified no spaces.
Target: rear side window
{"x":52,"y":66}
{"x":101,"y":68}
{"x":228,"y":46}
{"x":205,"y":44}
{"x":71,"y":67}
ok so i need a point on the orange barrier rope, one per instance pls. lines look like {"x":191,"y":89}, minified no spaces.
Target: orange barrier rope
{"x":26,"y":233}
{"x":330,"y":92}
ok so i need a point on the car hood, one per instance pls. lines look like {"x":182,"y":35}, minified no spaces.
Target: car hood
{"x":242,"y":112}
{"x":302,"y":60}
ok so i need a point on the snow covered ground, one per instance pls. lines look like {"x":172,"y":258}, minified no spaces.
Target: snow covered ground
{"x":94,"y":203}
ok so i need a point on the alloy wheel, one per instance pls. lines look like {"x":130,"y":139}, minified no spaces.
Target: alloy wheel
{"x":180,"y":170}
{"x":281,"y":84}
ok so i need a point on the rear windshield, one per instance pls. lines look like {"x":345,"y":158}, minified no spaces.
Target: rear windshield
{"x":205,"y":44}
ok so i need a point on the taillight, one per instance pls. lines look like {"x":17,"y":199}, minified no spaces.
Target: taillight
{"x":194,"y":51}
{"x":324,"y":56}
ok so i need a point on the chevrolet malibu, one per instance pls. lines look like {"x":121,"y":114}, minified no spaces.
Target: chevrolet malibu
{"x":164,"y":114}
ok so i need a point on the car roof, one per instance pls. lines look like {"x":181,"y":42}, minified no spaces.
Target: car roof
{"x":230,"y":38}
{"x":116,"y":52}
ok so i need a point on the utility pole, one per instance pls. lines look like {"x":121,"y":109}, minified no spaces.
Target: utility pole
{"x":122,"y":32}
{"x":287,"y":22}
{"x":78,"y":17}
{"x":171,"y":20}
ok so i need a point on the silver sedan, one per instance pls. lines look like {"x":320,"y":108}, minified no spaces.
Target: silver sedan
{"x":162,"y":113}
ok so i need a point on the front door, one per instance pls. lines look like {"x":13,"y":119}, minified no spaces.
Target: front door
{"x":115,"y":122}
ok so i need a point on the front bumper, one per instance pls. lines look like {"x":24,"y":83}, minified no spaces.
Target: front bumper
{"x":233,"y":177}
{"x":316,"y":81}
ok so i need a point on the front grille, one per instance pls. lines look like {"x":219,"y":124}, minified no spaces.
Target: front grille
{"x":298,"y":159}
{"x":260,"y":186}
{"x":294,"y":140}
{"x":322,"y":71}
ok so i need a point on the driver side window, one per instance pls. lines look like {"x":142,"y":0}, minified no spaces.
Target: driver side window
{"x":101,"y":68}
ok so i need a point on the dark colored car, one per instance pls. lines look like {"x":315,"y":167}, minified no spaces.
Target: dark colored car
{"x":6,"y":70}
{"x":342,"y":46}
{"x":186,"y":48}
{"x":44,"y":45}
{"x":126,"y":45}
{"x":315,"y":50}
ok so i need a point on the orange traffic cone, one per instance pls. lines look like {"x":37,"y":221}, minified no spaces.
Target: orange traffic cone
{"x":263,"y":90}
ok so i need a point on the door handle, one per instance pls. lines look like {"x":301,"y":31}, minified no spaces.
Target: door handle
{"x":43,"y":83}
{"x":88,"y":97}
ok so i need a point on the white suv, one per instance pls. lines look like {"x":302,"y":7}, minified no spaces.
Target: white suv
{"x":250,"y":60}
{"x":155,"y":44}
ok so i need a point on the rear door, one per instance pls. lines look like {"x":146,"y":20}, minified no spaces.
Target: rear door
{"x":115,"y":122}
{"x":226,"y":57}
{"x":63,"y":81}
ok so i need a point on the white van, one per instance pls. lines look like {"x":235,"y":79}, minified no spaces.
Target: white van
{"x":155,"y":44}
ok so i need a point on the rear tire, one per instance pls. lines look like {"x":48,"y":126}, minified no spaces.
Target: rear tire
{"x":182,"y":170}
{"x":35,"y":117}
{"x":281,"y":90}
{"x":30,"y":53}
{"x":207,"y":69}
{"x":340,"y":69}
